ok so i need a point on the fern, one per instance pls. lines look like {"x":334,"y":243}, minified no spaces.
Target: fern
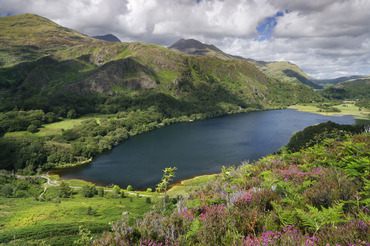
{"x":286,"y":217}
{"x":315,"y":218}
{"x":194,"y":228}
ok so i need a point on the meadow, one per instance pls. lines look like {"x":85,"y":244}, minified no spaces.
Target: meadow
{"x":51,"y":220}
{"x":345,"y":108}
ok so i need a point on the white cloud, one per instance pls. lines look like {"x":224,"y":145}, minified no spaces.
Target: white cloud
{"x":326,"y":38}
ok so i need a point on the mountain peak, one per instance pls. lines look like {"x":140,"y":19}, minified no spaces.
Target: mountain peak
{"x":35,"y":31}
{"x":108,"y":37}
{"x":195,"y":47}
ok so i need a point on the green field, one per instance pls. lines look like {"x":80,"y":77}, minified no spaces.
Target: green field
{"x":56,"y":221}
{"x":346,"y":108}
{"x":48,"y":130}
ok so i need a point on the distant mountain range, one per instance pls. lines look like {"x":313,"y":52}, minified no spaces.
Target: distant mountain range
{"x":50,"y":67}
{"x":328,"y":82}
{"x":108,"y":37}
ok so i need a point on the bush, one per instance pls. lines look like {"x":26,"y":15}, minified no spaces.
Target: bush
{"x":32,"y":128}
{"x":72,"y":114}
{"x":129,"y":188}
{"x":101,"y":192}
{"x":88,"y":191}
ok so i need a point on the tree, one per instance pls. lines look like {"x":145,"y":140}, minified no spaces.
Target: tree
{"x":129,"y":188}
{"x":32,"y":128}
{"x":88,"y":191}
{"x":100,"y":191}
{"x":72,"y":114}
{"x":168,"y":175}
{"x":116,"y":190}
{"x":64,"y":190}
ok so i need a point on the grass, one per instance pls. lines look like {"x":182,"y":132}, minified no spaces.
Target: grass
{"x":38,"y":221}
{"x":185,"y":186}
{"x":347,"y":108}
{"x":53,"y":129}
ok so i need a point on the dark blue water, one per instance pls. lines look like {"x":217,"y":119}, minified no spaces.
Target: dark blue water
{"x":196,"y":148}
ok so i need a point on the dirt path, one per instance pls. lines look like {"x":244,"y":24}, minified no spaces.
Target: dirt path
{"x":57,"y":183}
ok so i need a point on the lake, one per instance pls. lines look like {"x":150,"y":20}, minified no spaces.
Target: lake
{"x":196,"y":148}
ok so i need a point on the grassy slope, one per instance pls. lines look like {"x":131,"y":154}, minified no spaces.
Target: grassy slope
{"x":56,"y":220}
{"x":284,"y":71}
{"x":27,"y":37}
{"x":95,"y":69}
{"x":314,"y":196}
{"x":25,"y":218}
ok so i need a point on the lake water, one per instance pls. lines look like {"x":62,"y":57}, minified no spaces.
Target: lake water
{"x":196,"y":148}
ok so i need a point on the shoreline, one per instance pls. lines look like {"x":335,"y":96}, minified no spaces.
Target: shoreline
{"x":58,"y":169}
{"x":303,"y":108}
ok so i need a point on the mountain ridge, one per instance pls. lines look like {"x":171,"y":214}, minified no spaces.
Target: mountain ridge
{"x":285,"y":71}
{"x":86,"y":73}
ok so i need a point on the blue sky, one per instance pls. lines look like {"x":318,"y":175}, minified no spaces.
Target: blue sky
{"x":266,"y":27}
{"x":326,"y":38}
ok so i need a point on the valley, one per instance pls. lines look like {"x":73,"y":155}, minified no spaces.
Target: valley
{"x":91,"y":108}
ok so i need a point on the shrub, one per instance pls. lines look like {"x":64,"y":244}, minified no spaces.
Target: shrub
{"x":32,"y":128}
{"x":116,"y":190}
{"x":129,"y":188}
{"x":88,"y":191}
{"x":101,"y":192}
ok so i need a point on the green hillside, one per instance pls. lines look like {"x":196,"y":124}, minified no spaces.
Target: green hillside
{"x":353,"y":90}
{"x":316,"y":195}
{"x":67,"y":64}
{"x":284,"y":71}
{"x":141,"y":87}
{"x":28,"y":37}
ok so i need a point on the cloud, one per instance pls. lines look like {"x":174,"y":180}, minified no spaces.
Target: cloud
{"x":326,"y":38}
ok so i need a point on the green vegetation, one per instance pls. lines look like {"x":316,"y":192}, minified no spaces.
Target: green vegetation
{"x":316,"y":196}
{"x":65,"y":98}
{"x":31,"y":217}
{"x":78,"y":97}
{"x":336,"y":108}
{"x":168,"y":175}
{"x":284,"y":71}
{"x":355,"y":90}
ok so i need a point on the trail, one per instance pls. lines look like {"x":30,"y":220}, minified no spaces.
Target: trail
{"x":57,"y":183}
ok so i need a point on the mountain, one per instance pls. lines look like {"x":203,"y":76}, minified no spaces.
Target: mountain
{"x":28,"y":37}
{"x":108,"y":37}
{"x":349,"y":90}
{"x":194,"y":47}
{"x":285,"y":71}
{"x":52,"y":68}
{"x":281,"y":70}
{"x":329,"y":82}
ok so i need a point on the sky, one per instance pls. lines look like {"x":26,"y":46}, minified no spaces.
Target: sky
{"x":325,"y":38}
